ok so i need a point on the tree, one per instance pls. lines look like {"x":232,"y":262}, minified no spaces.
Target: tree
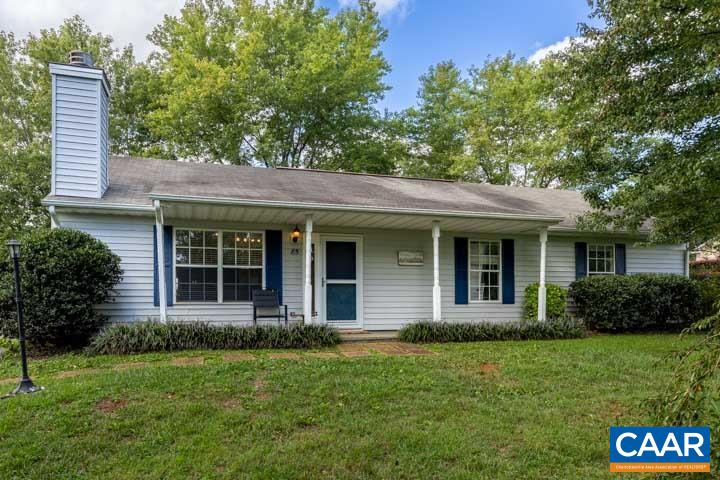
{"x":644,"y":92}
{"x":25,"y":105}
{"x":515,"y":134}
{"x":436,"y":131}
{"x":276,"y":83}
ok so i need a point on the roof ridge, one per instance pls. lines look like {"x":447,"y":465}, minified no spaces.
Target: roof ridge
{"x":319,"y":170}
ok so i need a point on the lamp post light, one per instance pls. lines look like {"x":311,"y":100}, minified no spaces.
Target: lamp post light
{"x":26,"y":385}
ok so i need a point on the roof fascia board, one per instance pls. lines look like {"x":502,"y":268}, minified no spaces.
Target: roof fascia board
{"x":575,"y":232}
{"x":353,"y":208}
{"x":115,"y":207}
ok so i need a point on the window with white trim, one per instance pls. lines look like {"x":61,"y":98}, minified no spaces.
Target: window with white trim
{"x":205,"y":259}
{"x":601,"y":259}
{"x":196,"y":258}
{"x":484,"y":270}
{"x":242,"y":265}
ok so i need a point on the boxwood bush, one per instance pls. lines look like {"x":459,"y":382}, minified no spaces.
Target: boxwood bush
{"x":622,"y":303}
{"x":152,"y":336}
{"x":63,"y":274}
{"x":428,"y":332}
{"x":556,"y":299}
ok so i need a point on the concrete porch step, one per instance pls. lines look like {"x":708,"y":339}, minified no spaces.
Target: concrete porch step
{"x":366,"y":336}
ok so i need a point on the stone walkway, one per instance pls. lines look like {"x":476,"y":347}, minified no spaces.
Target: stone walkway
{"x":347,"y":350}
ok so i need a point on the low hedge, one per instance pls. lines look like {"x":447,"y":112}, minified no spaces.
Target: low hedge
{"x":438,"y":332}
{"x":622,"y":303}
{"x":142,"y":337}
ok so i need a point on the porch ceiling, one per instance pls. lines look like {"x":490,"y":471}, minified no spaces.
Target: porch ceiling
{"x":351,"y":219}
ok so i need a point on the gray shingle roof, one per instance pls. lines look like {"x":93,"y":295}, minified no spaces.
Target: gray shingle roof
{"x":133,"y":180}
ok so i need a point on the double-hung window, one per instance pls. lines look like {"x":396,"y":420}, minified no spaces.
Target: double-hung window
{"x":196,"y":258}
{"x":242,"y":265}
{"x":484,"y":269}
{"x":217,"y":266}
{"x":601,"y":259}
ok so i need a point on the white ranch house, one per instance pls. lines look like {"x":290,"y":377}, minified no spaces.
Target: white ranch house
{"x":373,"y":252}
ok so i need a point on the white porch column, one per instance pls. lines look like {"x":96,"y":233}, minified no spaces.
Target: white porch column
{"x":307,"y":299}
{"x":437,"y":315}
{"x":542,"y":310}
{"x":162,"y":288}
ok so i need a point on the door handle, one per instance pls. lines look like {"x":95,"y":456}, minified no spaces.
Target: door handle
{"x":322,"y":283}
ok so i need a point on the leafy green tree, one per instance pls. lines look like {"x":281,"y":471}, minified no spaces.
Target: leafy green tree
{"x":279,"y":83}
{"x":515,"y":134}
{"x":436,"y":130}
{"x":25,"y":103}
{"x":644,"y":93}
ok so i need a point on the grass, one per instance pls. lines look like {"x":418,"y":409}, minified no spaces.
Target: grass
{"x":483,"y":410}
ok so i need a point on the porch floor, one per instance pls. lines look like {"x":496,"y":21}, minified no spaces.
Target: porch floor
{"x":349,"y":336}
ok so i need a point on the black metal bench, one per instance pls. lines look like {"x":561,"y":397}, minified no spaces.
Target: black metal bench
{"x":267,"y":305}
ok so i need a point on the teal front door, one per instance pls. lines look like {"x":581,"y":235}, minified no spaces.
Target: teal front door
{"x":341,"y":281}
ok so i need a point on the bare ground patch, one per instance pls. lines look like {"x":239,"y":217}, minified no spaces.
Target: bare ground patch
{"x":126,"y":366}
{"x":238,"y":357}
{"x":260,"y":388}
{"x":77,"y":373}
{"x":183,"y":361}
{"x":110,"y":405}
{"x":489,"y":368}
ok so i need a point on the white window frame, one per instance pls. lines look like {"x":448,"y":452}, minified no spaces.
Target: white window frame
{"x":604,"y":245}
{"x":220,"y":232}
{"x":499,"y":271}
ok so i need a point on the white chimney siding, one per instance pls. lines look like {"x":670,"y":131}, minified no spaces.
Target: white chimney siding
{"x":80,"y":102}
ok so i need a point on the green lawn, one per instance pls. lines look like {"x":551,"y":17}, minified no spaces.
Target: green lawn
{"x":482,"y":410}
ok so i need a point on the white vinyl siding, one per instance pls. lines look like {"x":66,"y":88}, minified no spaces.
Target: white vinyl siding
{"x":80,"y":136}
{"x":656,"y":259}
{"x":131,"y":238}
{"x":394,"y":295}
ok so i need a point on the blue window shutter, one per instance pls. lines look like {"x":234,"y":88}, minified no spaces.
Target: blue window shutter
{"x":461,"y":271}
{"x":273,"y":261}
{"x":168,"y":254}
{"x":620,"y":259}
{"x":508,"y":271}
{"x":580,"y":260}
{"x":156,"y":281}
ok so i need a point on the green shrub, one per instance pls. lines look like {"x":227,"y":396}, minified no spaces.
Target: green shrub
{"x":556,"y":300}
{"x":8,"y":347}
{"x":710,"y":293}
{"x":63,"y":273}
{"x":151,"y":336}
{"x":621,"y":303}
{"x":427,"y":332}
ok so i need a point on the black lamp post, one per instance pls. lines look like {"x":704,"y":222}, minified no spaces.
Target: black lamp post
{"x":26,"y":385}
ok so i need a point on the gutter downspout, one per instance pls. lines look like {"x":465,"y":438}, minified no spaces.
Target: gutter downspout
{"x":54,"y":222}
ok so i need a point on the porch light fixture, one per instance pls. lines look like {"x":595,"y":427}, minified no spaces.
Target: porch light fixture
{"x":26,"y":385}
{"x":295,"y":234}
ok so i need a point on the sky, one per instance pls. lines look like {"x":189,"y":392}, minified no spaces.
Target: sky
{"x":421,"y":32}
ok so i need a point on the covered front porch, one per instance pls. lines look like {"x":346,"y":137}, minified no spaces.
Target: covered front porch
{"x":374,"y":269}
